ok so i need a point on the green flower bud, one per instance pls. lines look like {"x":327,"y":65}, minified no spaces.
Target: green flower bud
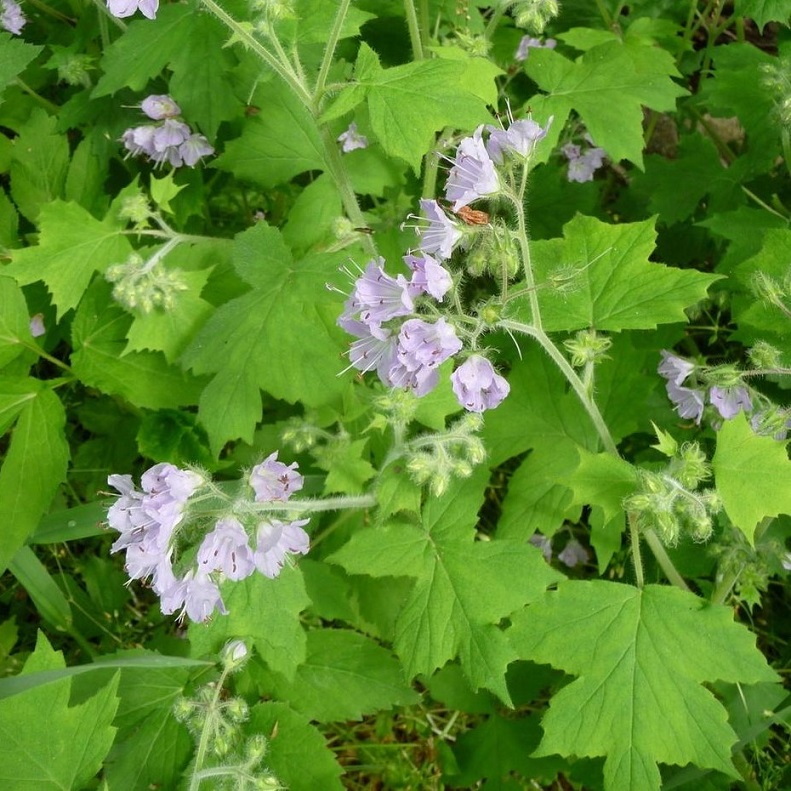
{"x":256,"y":748}
{"x":691,"y":468}
{"x":342,"y":227}
{"x":135,"y":208}
{"x":234,"y":654}
{"x":237,"y":710}
{"x":587,"y":347}
{"x":763,"y":355}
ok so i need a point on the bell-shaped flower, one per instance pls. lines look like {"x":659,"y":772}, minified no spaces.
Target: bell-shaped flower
{"x":275,"y":540}
{"x":477,"y":386}
{"x":729,"y":401}
{"x":473,"y":174}
{"x":428,"y":276}
{"x":272,"y":480}
{"x":442,"y":234}
{"x":226,"y":549}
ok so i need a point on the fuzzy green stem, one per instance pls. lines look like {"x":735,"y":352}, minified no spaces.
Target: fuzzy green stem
{"x":571,"y":375}
{"x":206,"y":732}
{"x":518,"y":201}
{"x":664,"y":561}
{"x":605,"y":14}
{"x":37,"y":97}
{"x":414,"y":30}
{"x":283,"y":70}
{"x":308,"y":506}
{"x":637,"y":559}
{"x":329,"y":51}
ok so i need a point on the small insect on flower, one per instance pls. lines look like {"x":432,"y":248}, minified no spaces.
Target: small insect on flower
{"x":472,"y":216}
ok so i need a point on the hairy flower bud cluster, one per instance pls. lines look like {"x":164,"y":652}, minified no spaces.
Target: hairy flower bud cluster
{"x":145,"y":285}
{"x":171,"y":141}
{"x":243,"y":540}
{"x":535,"y":15}
{"x":587,"y":347}
{"x":12,"y":18}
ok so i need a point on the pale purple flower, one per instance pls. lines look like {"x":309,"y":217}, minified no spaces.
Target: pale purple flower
{"x":37,"y":328}
{"x":201,"y":596}
{"x":170,"y":134}
{"x":421,"y":380}
{"x":177,"y":484}
{"x":12,"y":18}
{"x":226,"y":549}
{"x":421,"y":343}
{"x":786,"y":561}
{"x":139,"y":140}
{"x":729,"y":401}
{"x":528,"y":42}
{"x":477,"y":386}
{"x":272,"y":480}
{"x":380,"y":297}
{"x":428,"y":276}
{"x":125,"y":8}
{"x":442,"y":233}
{"x":352,"y":139}
{"x":275,"y":540}
{"x":194,"y":148}
{"x":376,"y":347}
{"x":519,"y":139}
{"x":773,"y":422}
{"x":688,"y":401}
{"x":543,"y":543}
{"x":674,"y":368}
{"x":582,"y":164}
{"x":473,"y":174}
{"x":159,"y":107}
{"x":573,"y":554}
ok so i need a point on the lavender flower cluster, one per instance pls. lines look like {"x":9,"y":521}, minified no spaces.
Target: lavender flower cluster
{"x":12,"y":18}
{"x":690,"y":401}
{"x":150,"y":523}
{"x":170,"y":141}
{"x":583,"y":162}
{"x":383,"y":312}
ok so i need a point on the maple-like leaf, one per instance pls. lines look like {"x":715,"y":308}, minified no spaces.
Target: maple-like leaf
{"x":463,"y":587}
{"x":641,"y":658}
{"x":608,"y":86}
{"x":607,"y":281}
{"x":753,"y":475}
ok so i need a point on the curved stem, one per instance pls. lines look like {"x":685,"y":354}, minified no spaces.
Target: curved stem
{"x":208,"y":727}
{"x":329,"y":51}
{"x":518,"y":201}
{"x":664,"y":561}
{"x":571,"y":375}
{"x":414,"y":30}
{"x":283,"y":70}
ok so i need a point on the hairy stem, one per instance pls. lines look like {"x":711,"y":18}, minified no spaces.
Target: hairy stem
{"x":329,"y":51}
{"x":634,"y":534}
{"x":206,"y":732}
{"x":414,"y":30}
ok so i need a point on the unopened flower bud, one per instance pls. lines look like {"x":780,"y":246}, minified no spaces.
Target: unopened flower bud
{"x":135,"y":208}
{"x":237,"y":710}
{"x":342,"y":227}
{"x":691,"y":468}
{"x":587,"y":347}
{"x":256,"y":748}
{"x":223,"y":743}
{"x":234,"y":654}
{"x":763,"y":355}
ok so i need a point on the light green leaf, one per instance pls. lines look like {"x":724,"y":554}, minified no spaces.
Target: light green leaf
{"x":45,"y":743}
{"x":276,"y":145}
{"x":297,"y":754}
{"x":463,"y":588}
{"x":752,"y":473}
{"x":346,"y":464}
{"x":42,"y":589}
{"x":608,"y":87}
{"x":15,"y":54}
{"x":641,"y":657}
{"x":14,"y":321}
{"x":763,"y":11}
{"x":281,"y":337}
{"x":265,"y":612}
{"x":345,"y":675}
{"x":39,"y":164}
{"x":170,"y":330}
{"x":315,"y":18}
{"x":609,"y":283}
{"x":143,"y":378}
{"x":164,"y":190}
{"x":34,"y":467}
{"x":395,"y":491}
{"x":14,"y":394}
{"x":73,"y":245}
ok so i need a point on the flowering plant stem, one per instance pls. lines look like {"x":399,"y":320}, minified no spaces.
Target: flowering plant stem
{"x":209,"y":727}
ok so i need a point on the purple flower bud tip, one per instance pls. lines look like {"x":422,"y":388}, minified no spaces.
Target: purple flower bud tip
{"x":37,"y":328}
{"x":125,"y":8}
{"x":160,"y":107}
{"x":477,"y":385}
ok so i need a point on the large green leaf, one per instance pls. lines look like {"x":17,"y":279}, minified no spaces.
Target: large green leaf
{"x":33,"y":468}
{"x":344,"y":676}
{"x":752,"y":473}
{"x":297,"y":754}
{"x":144,"y":378}
{"x":44,"y":742}
{"x":463,"y":587}
{"x":641,"y":657}
{"x":265,"y":612}
{"x":280,"y":337}
{"x":73,"y":245}
{"x":608,"y":86}
{"x":607,"y":281}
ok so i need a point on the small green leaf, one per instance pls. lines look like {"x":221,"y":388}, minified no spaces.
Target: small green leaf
{"x":764,"y":11}
{"x":752,"y":473}
{"x":73,"y":245}
{"x":44,"y":742}
{"x":42,"y":589}
{"x":297,"y":754}
{"x":344,"y":676}
{"x":641,"y":657}
{"x":15,"y":54}
{"x":33,"y":469}
{"x":265,"y":612}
